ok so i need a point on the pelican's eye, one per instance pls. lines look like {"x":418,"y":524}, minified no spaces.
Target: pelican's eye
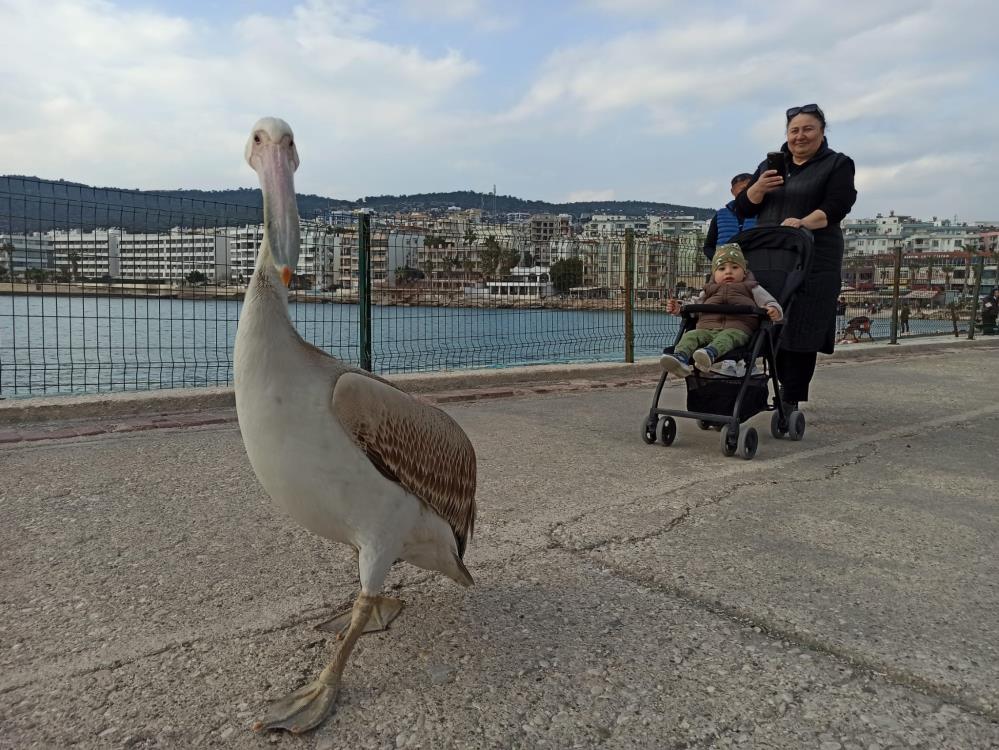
{"x":256,"y":138}
{"x":291,"y":143}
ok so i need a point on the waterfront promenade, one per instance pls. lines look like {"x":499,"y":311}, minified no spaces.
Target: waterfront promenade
{"x":837,"y":593}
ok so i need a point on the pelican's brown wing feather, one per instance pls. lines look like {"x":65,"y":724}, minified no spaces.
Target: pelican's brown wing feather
{"x":413,"y":443}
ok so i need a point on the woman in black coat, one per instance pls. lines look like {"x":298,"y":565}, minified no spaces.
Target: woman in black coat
{"x":817,"y":194}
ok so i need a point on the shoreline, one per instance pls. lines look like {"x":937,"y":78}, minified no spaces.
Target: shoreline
{"x":394,"y":297}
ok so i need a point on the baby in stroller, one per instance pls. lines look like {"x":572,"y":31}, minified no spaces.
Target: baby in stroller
{"x":716,"y":334}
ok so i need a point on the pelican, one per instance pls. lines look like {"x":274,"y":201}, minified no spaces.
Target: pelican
{"x":346,"y":454}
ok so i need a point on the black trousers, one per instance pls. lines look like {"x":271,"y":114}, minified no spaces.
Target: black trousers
{"x":795,"y":371}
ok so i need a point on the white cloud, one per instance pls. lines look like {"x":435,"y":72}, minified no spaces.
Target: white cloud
{"x":647,"y":104}
{"x":167,"y":89}
{"x":606,"y":194}
{"x":876,"y":68}
{"x":617,"y":7}
{"x":478,"y":13}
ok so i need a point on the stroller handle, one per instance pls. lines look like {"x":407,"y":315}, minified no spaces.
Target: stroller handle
{"x":724,"y":310}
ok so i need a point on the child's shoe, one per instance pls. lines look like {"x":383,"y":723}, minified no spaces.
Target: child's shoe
{"x":676,"y":364}
{"x":704,"y":358}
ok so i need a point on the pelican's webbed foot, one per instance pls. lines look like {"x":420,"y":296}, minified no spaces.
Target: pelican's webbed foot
{"x":302,"y":710}
{"x":383,"y":611}
{"x":308,"y":706}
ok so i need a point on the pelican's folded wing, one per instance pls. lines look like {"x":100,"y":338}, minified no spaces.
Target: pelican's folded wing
{"x":413,"y":443}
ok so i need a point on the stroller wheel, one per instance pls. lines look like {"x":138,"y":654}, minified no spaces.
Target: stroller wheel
{"x":778,"y":428}
{"x":748,"y":441}
{"x":667,"y":432}
{"x":704,"y":425}
{"x":796,"y":425}
{"x":728,"y":446}
{"x":649,"y":430}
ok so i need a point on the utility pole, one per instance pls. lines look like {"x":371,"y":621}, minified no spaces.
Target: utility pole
{"x":979,"y":268}
{"x":894,"y":295}
{"x":629,"y":294}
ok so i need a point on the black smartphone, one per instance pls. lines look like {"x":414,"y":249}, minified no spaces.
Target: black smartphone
{"x":777,"y":160}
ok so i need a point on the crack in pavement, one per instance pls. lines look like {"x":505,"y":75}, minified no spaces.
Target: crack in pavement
{"x":773,"y":628}
{"x":777,"y":631}
{"x":777,"y":464}
{"x":710,"y":501}
{"x":58,"y":668}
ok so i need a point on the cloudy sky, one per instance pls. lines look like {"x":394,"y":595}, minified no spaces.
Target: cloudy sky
{"x":558,"y":100}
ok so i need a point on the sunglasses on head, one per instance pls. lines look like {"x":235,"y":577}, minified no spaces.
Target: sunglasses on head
{"x":808,"y":109}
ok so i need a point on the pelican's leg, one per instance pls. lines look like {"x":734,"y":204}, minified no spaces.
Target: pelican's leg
{"x":308,"y":706}
{"x":384,"y":611}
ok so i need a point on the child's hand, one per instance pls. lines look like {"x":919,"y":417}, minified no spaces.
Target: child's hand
{"x":673,"y":307}
{"x":773,"y":313}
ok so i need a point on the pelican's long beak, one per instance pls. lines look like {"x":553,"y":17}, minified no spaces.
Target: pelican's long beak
{"x":277,"y":183}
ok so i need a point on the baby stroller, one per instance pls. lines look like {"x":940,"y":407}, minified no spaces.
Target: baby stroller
{"x":779,"y":258}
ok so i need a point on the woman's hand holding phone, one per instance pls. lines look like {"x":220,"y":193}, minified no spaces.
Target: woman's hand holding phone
{"x":770,"y":179}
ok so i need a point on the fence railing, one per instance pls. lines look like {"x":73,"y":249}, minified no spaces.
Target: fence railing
{"x":107,"y":290}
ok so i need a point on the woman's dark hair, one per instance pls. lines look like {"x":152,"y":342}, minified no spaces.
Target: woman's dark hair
{"x":808,"y":109}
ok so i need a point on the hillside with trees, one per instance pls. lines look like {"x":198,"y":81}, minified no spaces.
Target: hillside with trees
{"x":30,"y":204}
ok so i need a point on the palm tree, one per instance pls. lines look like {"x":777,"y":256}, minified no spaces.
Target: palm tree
{"x":947,"y":270}
{"x":929,"y":274}
{"x":8,"y":250}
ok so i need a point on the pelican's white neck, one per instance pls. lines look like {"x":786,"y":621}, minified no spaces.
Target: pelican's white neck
{"x":265,"y":258}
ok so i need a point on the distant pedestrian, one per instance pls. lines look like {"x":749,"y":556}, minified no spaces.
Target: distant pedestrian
{"x":990,"y":312}
{"x":726,"y":224}
{"x":903,"y":318}
{"x":840,"y":314}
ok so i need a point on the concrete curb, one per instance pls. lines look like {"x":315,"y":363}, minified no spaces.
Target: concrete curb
{"x":117,"y":405}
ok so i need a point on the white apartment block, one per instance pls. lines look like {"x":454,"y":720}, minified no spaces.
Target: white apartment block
{"x":173,"y":255}
{"x":601,"y":225}
{"x":672,"y":225}
{"x":883,"y":234}
{"x":92,"y":255}
{"x":226,"y":254}
{"x":390,"y":249}
{"x":663,"y":264}
{"x":244,"y":242}
{"x":26,"y":251}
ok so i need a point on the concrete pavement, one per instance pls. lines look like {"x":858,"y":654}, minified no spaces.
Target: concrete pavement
{"x":841,"y":592}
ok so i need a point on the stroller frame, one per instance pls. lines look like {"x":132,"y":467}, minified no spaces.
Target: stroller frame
{"x":661,"y":422}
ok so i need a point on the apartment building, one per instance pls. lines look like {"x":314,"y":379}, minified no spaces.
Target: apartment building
{"x":23,"y":252}
{"x":675,"y":225}
{"x":665,"y":265}
{"x":390,"y":250}
{"x":173,"y":255}
{"x":883,"y":234}
{"x":608,"y":224}
{"x":316,"y":242}
{"x":89,"y":255}
{"x":545,"y":227}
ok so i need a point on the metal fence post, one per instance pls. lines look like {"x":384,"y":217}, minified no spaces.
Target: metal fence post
{"x":894,"y":295}
{"x":979,"y":269}
{"x":364,"y":288}
{"x":629,"y":295}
